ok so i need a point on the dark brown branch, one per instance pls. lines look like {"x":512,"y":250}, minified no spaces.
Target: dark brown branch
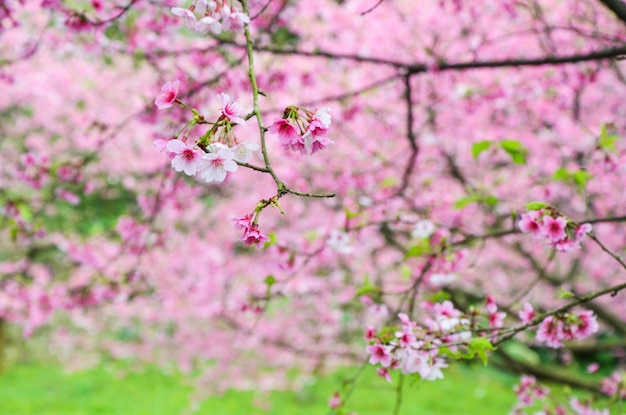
{"x":601,"y":312}
{"x":609,"y":53}
{"x":550,"y":60}
{"x":545,"y":372}
{"x":371,"y":9}
{"x":618,"y":7}
{"x":410,"y":134}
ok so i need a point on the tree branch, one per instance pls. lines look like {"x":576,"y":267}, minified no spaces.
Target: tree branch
{"x":618,"y":7}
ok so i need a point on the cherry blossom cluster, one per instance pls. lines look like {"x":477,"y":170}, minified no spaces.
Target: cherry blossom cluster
{"x":495,"y":317}
{"x":217,"y":152}
{"x":530,"y":394}
{"x":556,"y":329}
{"x":557,"y":230}
{"x":37,"y":171}
{"x":414,"y":349}
{"x":206,"y":16}
{"x":614,"y":385}
{"x":251,"y":233}
{"x":527,"y":392}
{"x":302,"y":130}
{"x":443,"y":267}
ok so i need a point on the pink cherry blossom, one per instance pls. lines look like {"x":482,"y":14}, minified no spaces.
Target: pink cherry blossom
{"x":585,"y":325}
{"x":168,"y":95}
{"x":370,"y":333}
{"x":68,"y":196}
{"x":527,"y":314}
{"x":244,"y":151}
{"x":188,"y":15}
{"x":216,"y":165}
{"x":315,"y":139}
{"x":585,"y":409}
{"x":550,"y":332}
{"x":230,"y":109}
{"x":405,"y":337}
{"x":323,"y":116}
{"x":406,"y":321}
{"x":243,"y":223}
{"x":187,"y":158}
{"x":334,"y":401}
{"x":553,"y":228}
{"x":491,"y":305}
{"x":253,"y":236}
{"x":582,"y":231}
{"x":529,"y":223}
{"x":593,"y":367}
{"x":233,"y":20}
{"x":379,"y":354}
{"x":423,"y":229}
{"x":209,"y":24}
{"x":384,"y":373}
{"x":614,"y":385}
{"x":497,"y":319}
{"x":564,"y":245}
{"x":287,"y":134}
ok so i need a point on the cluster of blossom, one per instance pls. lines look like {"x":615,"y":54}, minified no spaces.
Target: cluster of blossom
{"x":423,"y":229}
{"x":529,"y":391}
{"x":340,"y":242}
{"x":306,"y":133}
{"x":555,"y":329}
{"x":205,"y":16}
{"x":217,"y":153}
{"x":443,"y":267}
{"x":36,"y":171}
{"x":495,"y":317}
{"x":614,"y":385}
{"x":251,"y":233}
{"x":414,"y":349}
{"x":559,"y":232}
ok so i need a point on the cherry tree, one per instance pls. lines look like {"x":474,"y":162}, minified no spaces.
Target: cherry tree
{"x":248,"y":187}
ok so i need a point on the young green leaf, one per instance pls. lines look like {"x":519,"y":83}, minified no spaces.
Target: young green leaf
{"x":480,"y":147}
{"x":536,"y":205}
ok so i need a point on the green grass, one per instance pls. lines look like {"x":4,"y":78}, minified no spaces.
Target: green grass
{"x":40,"y":389}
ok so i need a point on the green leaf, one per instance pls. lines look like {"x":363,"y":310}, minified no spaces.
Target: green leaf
{"x":113,"y":32}
{"x":491,"y":200}
{"x":388,"y":182}
{"x":480,"y":147}
{"x":561,"y":174}
{"x":565,"y":294}
{"x":464,"y":201}
{"x":405,"y":272}
{"x":478,"y":346}
{"x":418,"y":249}
{"x":367,"y":291}
{"x":578,"y":178}
{"x":453,"y":354}
{"x":270,"y":280}
{"x":467,"y":200}
{"x":282,"y":37}
{"x":440,"y":297}
{"x":273,"y":240}
{"x":607,"y":141}
{"x":350,"y":214}
{"x":367,"y":288}
{"x":581,"y":177}
{"x":536,"y":205}
{"x":516,"y":150}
